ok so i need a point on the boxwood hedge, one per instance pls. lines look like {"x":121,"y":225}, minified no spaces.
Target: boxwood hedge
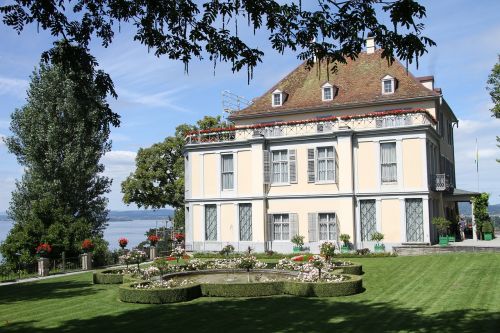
{"x":108,"y":277}
{"x":352,"y":269}
{"x":128,"y":293}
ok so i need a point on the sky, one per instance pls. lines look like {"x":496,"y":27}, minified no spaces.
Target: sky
{"x":156,"y":95}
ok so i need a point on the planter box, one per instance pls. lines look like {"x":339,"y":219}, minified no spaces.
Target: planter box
{"x":443,"y":240}
{"x":297,"y":249}
{"x":43,"y":267}
{"x":451,"y":239}
{"x":379,"y":248}
{"x":488,"y":236}
{"x":344,"y":249}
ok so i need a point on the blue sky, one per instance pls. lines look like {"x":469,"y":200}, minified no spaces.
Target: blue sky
{"x":155,"y":95}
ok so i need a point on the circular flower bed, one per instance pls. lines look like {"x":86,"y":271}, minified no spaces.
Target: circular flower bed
{"x":315,"y":277}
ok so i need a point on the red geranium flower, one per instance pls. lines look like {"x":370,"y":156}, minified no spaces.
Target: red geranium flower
{"x":43,"y":249}
{"x":87,"y":245}
{"x":123,"y":242}
{"x":179,"y":237}
{"x":298,"y":258}
{"x":153,"y":239}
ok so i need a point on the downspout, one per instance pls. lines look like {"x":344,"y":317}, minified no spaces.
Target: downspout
{"x":355,"y":200}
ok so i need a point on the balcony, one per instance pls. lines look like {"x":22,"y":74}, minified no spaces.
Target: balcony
{"x":442,"y":182}
{"x":364,"y":122}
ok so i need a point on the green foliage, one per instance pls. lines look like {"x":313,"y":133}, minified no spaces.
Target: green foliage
{"x":442,"y":225}
{"x":354,"y":269}
{"x":487,"y":228}
{"x":327,"y":250}
{"x":158,"y":179}
{"x":494,"y":88}
{"x":254,"y":289}
{"x":298,"y":240}
{"x":108,"y":277}
{"x":183,"y":30}
{"x":480,"y":212}
{"x":59,"y":136}
{"x":227,"y":250}
{"x":352,"y":286}
{"x":345,"y":239}
{"x":127,"y":293}
{"x":377,"y":236}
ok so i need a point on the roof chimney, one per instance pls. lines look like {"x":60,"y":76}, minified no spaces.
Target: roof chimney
{"x":370,"y":43}
{"x":427,"y":81}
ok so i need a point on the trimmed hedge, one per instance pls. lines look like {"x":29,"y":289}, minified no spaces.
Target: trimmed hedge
{"x":107,"y":277}
{"x":352,"y":286}
{"x":127,"y":293}
{"x":352,"y":269}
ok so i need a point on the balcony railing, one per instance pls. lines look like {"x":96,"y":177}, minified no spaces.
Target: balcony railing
{"x":376,"y":120}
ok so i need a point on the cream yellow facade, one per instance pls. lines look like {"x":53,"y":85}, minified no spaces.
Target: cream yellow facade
{"x":375,"y":167}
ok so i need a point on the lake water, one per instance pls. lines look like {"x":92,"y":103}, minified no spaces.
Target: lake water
{"x":132,"y":230}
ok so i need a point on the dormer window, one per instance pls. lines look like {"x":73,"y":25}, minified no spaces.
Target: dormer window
{"x":277,"y":98}
{"x":328,"y":92}
{"x":388,"y":85}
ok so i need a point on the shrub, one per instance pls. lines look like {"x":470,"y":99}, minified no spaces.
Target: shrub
{"x":108,"y":277}
{"x":353,"y":269}
{"x":377,"y":236}
{"x":242,"y":289}
{"x":487,"y":227}
{"x":127,"y":293}
{"x":327,"y":250}
{"x":123,"y":242}
{"x":442,"y":225}
{"x":362,"y":252}
{"x":353,"y":285}
{"x":227,"y":250}
{"x":298,"y":240}
{"x":345,"y":239}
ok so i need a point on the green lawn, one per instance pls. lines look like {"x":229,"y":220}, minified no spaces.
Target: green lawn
{"x":445,"y":293}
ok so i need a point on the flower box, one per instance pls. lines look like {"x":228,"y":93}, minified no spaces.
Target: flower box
{"x":344,"y":249}
{"x":443,"y":240}
{"x":297,"y":249}
{"x":379,"y":248}
{"x":451,"y":239}
{"x":488,"y":236}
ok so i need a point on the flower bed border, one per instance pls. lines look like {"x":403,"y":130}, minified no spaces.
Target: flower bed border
{"x":108,"y":277}
{"x":127,"y":292}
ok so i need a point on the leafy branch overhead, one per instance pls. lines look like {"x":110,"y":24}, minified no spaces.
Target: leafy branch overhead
{"x":183,"y":29}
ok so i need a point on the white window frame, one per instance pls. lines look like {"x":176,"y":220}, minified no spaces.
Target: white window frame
{"x":392,"y":182}
{"x":326,"y":158}
{"x":281,"y":162}
{"x":326,"y":86}
{"x":281,"y":215}
{"x":222,"y":172}
{"x":329,"y":225}
{"x":385,"y":79}
{"x":273,"y":101}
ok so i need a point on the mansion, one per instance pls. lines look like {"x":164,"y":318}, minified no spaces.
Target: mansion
{"x":367,"y":148}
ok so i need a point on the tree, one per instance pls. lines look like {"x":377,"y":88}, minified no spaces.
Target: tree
{"x":158,"y":179}
{"x":494,"y":88}
{"x":59,"y":136}
{"x":480,"y":212}
{"x":185,"y":29}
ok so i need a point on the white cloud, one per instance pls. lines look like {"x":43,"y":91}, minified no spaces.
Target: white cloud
{"x":2,"y":137}
{"x":12,"y":86}
{"x":119,"y":157}
{"x":4,"y":124}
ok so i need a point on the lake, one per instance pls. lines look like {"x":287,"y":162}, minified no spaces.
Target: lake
{"x":132,"y":230}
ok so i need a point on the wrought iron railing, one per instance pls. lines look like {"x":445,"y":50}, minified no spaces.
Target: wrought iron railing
{"x":442,"y":182}
{"x":401,"y":118}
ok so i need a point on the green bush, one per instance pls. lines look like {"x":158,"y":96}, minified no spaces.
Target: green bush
{"x":352,"y":269}
{"x":108,"y":277}
{"x":258,"y":255}
{"x":352,"y":286}
{"x":487,"y":227}
{"x":242,"y":289}
{"x":127,"y":293}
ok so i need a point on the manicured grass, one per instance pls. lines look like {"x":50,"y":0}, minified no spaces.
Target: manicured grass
{"x":445,"y":293}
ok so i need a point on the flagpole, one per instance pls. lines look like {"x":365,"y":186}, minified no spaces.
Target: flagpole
{"x":477,"y":166}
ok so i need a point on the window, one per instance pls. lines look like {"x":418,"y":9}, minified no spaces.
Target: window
{"x":281,"y":227}
{"x":276,"y":99}
{"x":210,"y":222}
{"x":327,"y":93}
{"x":368,"y":219}
{"x":327,"y":227}
{"x":450,"y":133}
{"x":227,"y":172}
{"x":388,"y":84}
{"x":325,"y":164}
{"x":280,"y":166}
{"x":388,"y":162}
{"x":245,"y":217}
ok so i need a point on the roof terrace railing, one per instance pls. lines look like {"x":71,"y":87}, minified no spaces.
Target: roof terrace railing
{"x":376,"y":120}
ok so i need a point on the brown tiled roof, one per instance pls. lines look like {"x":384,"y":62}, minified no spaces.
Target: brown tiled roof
{"x":358,"y":82}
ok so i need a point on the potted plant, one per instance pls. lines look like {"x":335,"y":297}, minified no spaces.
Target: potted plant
{"x":87,"y":246}
{"x":442,"y":226}
{"x":345,"y":240}
{"x":298,"y":241}
{"x":327,"y":250}
{"x":378,"y":237}
{"x":43,"y":250}
{"x":179,"y":237}
{"x":153,"y":240}
{"x":487,"y":230}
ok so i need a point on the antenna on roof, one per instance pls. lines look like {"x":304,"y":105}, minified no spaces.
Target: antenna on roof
{"x":232,"y":102}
